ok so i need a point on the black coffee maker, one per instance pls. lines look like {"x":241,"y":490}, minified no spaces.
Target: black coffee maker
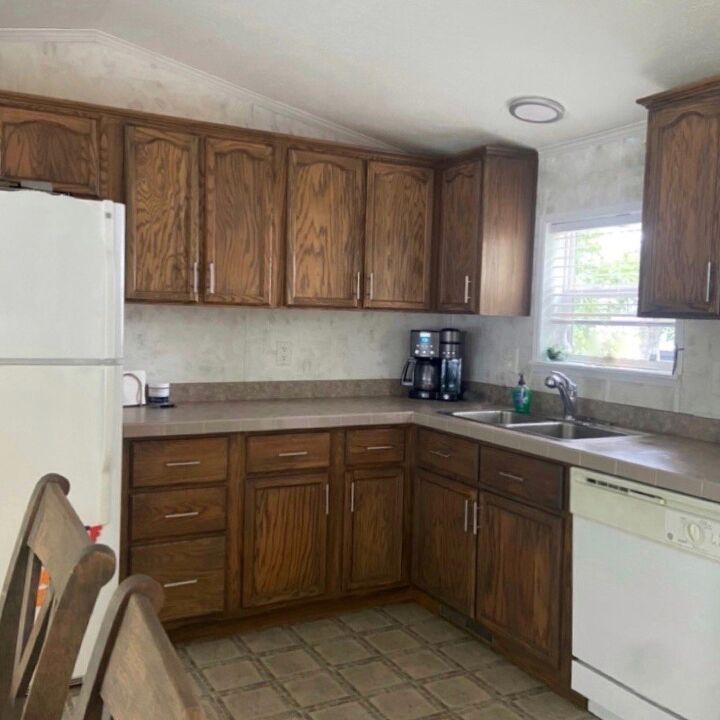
{"x":451,"y":362}
{"x":422,"y":369}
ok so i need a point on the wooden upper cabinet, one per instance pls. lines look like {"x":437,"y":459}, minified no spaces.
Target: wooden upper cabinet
{"x":461,"y":196}
{"x":487,"y":233}
{"x":325,"y":211}
{"x":162,"y":215}
{"x":242,"y":219}
{"x":520,"y":575}
{"x":50,"y":147}
{"x":374,"y":528}
{"x":679,"y":269}
{"x":398,"y":236}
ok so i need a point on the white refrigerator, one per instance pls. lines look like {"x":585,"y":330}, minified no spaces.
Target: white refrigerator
{"x":61,"y":329}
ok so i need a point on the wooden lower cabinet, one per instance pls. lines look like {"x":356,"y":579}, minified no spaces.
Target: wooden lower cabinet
{"x":285,"y":538}
{"x":520,"y":573}
{"x":374,"y":528}
{"x":444,"y":543}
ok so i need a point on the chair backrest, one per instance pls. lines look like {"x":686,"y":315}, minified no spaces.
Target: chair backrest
{"x":39,"y":647}
{"x":135,"y":673}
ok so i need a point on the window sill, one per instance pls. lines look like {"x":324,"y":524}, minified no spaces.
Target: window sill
{"x":575,"y":370}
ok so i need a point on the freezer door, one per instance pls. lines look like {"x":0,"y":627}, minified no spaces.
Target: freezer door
{"x":61,"y":277}
{"x":66,"y":420}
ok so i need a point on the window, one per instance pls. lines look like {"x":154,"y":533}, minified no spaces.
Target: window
{"x":588,"y":309}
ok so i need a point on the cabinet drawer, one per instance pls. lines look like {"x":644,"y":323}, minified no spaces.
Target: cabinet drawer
{"x":192,"y":573}
{"x":526,"y":478}
{"x":375,"y":445}
{"x":173,"y":462}
{"x":177,"y":512}
{"x":298,"y":451}
{"x":448,"y":455}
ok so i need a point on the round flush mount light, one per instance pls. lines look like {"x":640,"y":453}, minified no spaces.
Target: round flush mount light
{"x":534,"y":109}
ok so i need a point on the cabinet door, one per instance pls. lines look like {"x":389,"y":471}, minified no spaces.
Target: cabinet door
{"x":324,"y":229}
{"x":679,"y":264}
{"x":50,"y":147}
{"x":519,"y":592}
{"x":444,"y":540}
{"x":461,"y":187}
{"x":398,"y":236}
{"x":374,"y":524}
{"x":285,"y":548}
{"x":161,"y":176}
{"x":242,"y":218}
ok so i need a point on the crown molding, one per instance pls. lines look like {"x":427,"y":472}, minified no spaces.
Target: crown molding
{"x":99,"y":37}
{"x":599,"y":138}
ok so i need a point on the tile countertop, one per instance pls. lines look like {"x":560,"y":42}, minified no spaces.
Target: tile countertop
{"x":686,"y":466}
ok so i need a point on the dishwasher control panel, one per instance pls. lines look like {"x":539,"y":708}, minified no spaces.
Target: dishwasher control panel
{"x":693,"y":533}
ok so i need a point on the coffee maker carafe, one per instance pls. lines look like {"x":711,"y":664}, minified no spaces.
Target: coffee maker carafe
{"x":451,"y":361}
{"x":422,"y":370}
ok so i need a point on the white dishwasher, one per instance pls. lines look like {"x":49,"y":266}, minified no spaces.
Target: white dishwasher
{"x":646,"y":600}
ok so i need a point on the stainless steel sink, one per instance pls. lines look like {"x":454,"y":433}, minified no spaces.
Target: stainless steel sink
{"x":566,"y":430}
{"x":495,"y":417}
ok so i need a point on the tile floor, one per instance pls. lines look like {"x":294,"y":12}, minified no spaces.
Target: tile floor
{"x":398,"y":662}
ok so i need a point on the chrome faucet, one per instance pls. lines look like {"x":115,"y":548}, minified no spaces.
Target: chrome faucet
{"x":568,"y":392}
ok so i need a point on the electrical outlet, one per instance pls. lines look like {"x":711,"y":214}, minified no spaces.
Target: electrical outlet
{"x":283,"y":353}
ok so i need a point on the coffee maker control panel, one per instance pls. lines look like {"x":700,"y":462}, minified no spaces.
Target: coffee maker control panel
{"x":425,"y":343}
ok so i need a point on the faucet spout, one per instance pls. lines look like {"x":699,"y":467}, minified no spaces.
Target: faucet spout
{"x":568,"y":392}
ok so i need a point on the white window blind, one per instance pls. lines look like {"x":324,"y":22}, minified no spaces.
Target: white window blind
{"x":590,"y":298}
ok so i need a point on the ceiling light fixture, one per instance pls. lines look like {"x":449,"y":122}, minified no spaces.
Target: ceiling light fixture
{"x":534,"y":109}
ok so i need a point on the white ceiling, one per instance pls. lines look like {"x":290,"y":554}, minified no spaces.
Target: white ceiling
{"x":429,"y":75}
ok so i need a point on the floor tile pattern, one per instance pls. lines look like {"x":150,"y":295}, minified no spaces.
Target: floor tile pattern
{"x":397,"y":662}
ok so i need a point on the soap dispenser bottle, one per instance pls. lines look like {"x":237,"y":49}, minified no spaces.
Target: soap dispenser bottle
{"x":522,"y":396}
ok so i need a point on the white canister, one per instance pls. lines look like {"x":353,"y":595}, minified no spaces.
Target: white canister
{"x":158,"y":393}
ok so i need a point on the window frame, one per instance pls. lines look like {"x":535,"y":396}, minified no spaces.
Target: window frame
{"x":580,"y":369}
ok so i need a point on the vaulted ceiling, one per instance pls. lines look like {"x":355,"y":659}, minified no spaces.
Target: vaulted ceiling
{"x":429,"y":75}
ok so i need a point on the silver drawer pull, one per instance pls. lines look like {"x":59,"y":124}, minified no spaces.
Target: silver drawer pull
{"x":476,"y":510}
{"x":175,"y":516}
{"x":467,"y":503}
{"x":510,"y":476}
{"x":373,"y":448}
{"x":298,"y":453}
{"x":180,"y":583}
{"x":182,"y":463}
{"x":444,"y":456}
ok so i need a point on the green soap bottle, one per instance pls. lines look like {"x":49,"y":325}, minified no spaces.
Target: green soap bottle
{"x":522,"y":396}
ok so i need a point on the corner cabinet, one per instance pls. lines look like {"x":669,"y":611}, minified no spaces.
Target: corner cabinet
{"x":680,"y":261}
{"x":398,"y":249}
{"x":162,"y":215}
{"x":487,"y":224}
{"x":325,"y":212}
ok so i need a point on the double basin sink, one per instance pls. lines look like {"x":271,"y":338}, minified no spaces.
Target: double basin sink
{"x":537,"y":425}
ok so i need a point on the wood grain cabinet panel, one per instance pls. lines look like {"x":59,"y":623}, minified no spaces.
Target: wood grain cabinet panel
{"x":325,"y":211}
{"x":242,"y":218}
{"x":288,"y":451}
{"x":679,"y":272}
{"x":448,"y":455}
{"x":398,"y":236}
{"x":444,"y":541}
{"x":520,"y":566}
{"x":162,"y":196}
{"x":50,"y":147}
{"x":374,"y":528}
{"x":285,"y":539}
{"x":371,"y":446}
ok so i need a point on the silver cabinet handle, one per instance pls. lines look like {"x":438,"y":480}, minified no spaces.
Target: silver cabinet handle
{"x":372,"y":285}
{"x":327,"y":498}
{"x":196,"y":278}
{"x":176,"y":516}
{"x":352,"y":496}
{"x":375,"y":448}
{"x":475,"y":517}
{"x":510,"y":476}
{"x":444,"y":456}
{"x":467,"y":511}
{"x":180,"y":583}
{"x":467,"y":289}
{"x":357,"y":286}
{"x":708,"y":281}
{"x":182,"y":463}
{"x":297,"y":453}
{"x":211,"y":277}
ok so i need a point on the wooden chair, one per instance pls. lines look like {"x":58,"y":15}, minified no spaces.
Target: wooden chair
{"x":135,"y":673}
{"x":39,"y":648}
